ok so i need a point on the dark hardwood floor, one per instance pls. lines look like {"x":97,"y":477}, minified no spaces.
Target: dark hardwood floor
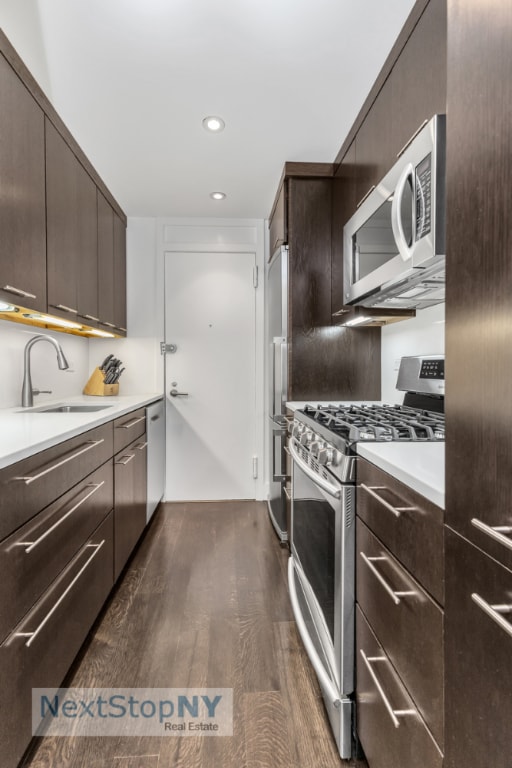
{"x":203,"y":603}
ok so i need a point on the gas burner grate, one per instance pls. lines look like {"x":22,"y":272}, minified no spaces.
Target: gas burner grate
{"x":379,"y":422}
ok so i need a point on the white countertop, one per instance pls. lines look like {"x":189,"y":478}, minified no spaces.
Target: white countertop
{"x":25,"y":432}
{"x":418,"y":465}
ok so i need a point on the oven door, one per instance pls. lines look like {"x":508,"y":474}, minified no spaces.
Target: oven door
{"x":321,"y":585}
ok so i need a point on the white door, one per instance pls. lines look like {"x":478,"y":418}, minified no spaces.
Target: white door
{"x":210,"y":313}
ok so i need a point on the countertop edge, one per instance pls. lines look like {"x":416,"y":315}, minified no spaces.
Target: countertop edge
{"x":47,"y":430}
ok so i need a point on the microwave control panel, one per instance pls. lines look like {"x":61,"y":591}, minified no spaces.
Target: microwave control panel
{"x":423,"y":197}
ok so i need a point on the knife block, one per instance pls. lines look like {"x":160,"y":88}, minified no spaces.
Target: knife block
{"x":96,"y":385}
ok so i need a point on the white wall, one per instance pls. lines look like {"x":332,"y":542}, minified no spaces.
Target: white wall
{"x":422,"y":335}
{"x":21,"y":22}
{"x":45,"y":372}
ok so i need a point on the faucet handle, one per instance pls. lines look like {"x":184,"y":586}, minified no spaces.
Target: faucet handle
{"x":41,"y":391}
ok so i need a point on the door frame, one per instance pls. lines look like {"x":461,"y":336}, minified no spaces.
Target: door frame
{"x":223,"y":235}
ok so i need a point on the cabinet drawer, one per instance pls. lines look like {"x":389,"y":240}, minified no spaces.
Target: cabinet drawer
{"x":130,"y":500}
{"x":35,"y":554}
{"x":127,"y":428}
{"x":408,"y":524}
{"x":38,"y":653}
{"x":389,"y":726}
{"x":30,"y":485}
{"x":478,"y":652}
{"x":407,"y":623}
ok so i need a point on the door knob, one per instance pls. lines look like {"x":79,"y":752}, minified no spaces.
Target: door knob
{"x":175,"y":393}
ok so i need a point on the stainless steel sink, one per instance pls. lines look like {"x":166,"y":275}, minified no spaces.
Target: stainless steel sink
{"x":62,"y":408}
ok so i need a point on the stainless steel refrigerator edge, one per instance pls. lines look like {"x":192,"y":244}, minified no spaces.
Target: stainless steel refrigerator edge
{"x":277,"y":339}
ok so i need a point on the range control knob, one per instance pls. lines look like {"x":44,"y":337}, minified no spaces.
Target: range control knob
{"x":315,"y":447}
{"x":298,"y":429}
{"x":325,"y":456}
{"x":306,"y":437}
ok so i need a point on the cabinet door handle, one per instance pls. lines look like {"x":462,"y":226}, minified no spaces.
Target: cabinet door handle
{"x":31,"y":478}
{"x":365,"y":196}
{"x":18,"y":292}
{"x":131,"y":423}
{"x":30,"y":545}
{"x":394,"y":595}
{"x":110,"y":325}
{"x":91,"y":317}
{"x":128,"y":457}
{"x":32,"y":635}
{"x":397,"y":511}
{"x":496,"y":532}
{"x":393,"y":713}
{"x":494,"y":612}
{"x":64,"y":308}
{"x":141,"y":446}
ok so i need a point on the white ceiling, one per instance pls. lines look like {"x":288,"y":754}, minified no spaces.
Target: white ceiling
{"x":133,"y":80}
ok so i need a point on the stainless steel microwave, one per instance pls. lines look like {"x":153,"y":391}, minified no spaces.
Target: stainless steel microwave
{"x":394,"y":245}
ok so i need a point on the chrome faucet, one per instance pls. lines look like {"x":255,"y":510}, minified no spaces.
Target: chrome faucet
{"x":27,"y":393}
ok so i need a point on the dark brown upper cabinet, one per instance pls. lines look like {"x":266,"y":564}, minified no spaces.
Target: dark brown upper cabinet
{"x":119,"y":275}
{"x":22,"y":195}
{"x":71,"y":227}
{"x":111,"y":268}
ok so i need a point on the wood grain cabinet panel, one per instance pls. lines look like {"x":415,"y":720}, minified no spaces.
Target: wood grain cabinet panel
{"x":407,"y":623}
{"x":414,"y":532}
{"x":22,"y":194}
{"x":105,"y":262}
{"x":398,"y":740}
{"x":119,"y":275}
{"x":278,"y":230}
{"x":130,"y":496}
{"x":478,"y":653}
{"x":127,"y":428}
{"x":39,"y":651}
{"x":28,"y":486}
{"x":71,"y":228}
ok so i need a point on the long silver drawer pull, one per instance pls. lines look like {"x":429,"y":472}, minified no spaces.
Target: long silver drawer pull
{"x":131,"y":423}
{"x":30,"y":545}
{"x":497,"y":532}
{"x":365,"y":196}
{"x":18,"y":292}
{"x":323,"y":678}
{"x":397,"y":511}
{"x":31,"y":478}
{"x":329,"y":488}
{"x":91,"y":317}
{"x":110,"y":325}
{"x":32,"y":635}
{"x":393,"y":713}
{"x":395,"y":596}
{"x":494,"y":612}
{"x":411,"y":139}
{"x":67,"y":309}
{"x":141,"y":446}
{"x":128,"y":457}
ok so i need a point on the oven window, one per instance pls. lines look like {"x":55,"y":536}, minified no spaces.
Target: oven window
{"x":313,"y":539}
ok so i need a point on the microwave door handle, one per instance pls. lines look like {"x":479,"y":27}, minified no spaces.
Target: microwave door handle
{"x":404,"y":249}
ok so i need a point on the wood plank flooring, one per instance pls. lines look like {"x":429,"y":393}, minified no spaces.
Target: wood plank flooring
{"x":203,"y":603}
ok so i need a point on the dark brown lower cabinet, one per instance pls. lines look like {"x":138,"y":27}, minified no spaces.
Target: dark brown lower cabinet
{"x":130,"y":499}
{"x":478,"y":653}
{"x":39,"y":650}
{"x":392,"y":732}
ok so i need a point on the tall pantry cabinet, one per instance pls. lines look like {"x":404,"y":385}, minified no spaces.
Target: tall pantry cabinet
{"x":478,"y":607}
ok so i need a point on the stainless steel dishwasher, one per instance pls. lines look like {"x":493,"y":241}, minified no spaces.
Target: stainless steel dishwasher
{"x":155,"y":430}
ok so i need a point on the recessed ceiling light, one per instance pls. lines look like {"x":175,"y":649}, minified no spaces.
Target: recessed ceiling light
{"x":217,"y":195}
{"x":214,"y":124}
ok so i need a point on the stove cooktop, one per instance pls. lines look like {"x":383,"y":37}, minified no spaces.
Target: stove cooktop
{"x":379,"y":423}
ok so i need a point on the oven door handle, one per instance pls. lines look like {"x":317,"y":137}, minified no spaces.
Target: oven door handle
{"x":325,"y":485}
{"x":325,"y":681}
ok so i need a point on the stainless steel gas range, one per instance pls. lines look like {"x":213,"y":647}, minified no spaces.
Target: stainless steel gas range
{"x":323,"y":447}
